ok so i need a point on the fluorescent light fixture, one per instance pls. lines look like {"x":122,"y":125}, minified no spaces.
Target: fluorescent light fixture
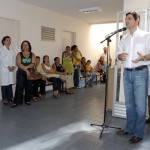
{"x":90,"y":10}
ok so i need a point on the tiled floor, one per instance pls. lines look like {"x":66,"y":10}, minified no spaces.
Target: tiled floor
{"x":64,"y":124}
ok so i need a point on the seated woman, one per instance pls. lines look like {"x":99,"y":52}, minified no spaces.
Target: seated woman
{"x":40,"y":82}
{"x":59,"y":69}
{"x":47,"y":69}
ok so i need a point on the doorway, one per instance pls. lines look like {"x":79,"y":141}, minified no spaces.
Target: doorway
{"x":68,"y":39}
{"x":9,"y":27}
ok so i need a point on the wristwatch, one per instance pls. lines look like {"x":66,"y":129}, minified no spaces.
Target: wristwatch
{"x":145,"y":58}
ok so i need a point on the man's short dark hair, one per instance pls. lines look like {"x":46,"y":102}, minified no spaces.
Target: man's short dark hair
{"x":135,"y":15}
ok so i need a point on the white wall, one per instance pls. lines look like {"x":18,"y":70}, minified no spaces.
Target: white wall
{"x":136,"y":4}
{"x":97,"y":34}
{"x":31,"y":19}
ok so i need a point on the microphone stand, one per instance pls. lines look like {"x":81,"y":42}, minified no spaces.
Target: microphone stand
{"x":104,"y":125}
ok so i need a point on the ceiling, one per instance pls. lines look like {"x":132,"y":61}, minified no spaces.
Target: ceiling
{"x":71,"y":8}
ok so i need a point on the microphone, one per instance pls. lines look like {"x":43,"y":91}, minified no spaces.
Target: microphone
{"x":115,"y":32}
{"x":119,"y":30}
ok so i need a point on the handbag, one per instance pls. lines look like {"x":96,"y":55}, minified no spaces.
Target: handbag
{"x":34,"y":75}
{"x":49,"y":75}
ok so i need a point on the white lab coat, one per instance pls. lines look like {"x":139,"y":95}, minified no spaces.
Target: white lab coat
{"x":149,"y":81}
{"x":7,"y":58}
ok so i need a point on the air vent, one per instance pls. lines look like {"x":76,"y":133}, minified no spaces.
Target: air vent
{"x":90,"y":10}
{"x":47,"y":34}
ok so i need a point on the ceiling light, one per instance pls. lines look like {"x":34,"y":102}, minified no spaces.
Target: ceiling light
{"x":90,"y":10}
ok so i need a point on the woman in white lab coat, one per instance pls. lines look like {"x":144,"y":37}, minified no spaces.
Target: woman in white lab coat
{"x":7,"y":70}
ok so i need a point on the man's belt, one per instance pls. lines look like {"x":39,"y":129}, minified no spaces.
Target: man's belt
{"x":137,"y":68}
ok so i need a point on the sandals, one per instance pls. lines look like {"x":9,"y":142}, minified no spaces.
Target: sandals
{"x":13,"y":105}
{"x":56,"y":96}
{"x":34,"y":99}
{"x":69,"y":92}
{"x":28,"y":103}
{"x":5,"y":102}
{"x":39,"y":96}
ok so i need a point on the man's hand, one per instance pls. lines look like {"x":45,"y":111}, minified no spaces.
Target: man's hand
{"x":122,"y":56}
{"x":140,"y":58}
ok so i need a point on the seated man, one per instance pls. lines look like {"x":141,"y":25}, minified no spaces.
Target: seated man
{"x":38,"y":83}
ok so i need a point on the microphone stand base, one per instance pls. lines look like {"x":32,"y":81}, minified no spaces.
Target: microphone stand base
{"x":104,"y":126}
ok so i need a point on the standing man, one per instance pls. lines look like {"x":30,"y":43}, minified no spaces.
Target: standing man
{"x":104,"y":55}
{"x":134,"y":51}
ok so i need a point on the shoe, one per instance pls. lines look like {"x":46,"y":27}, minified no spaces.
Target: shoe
{"x":11,"y":100}
{"x":34,"y":99}
{"x":13,"y":105}
{"x":39,"y":96}
{"x":135,"y":139}
{"x":122,"y":132}
{"x":147,"y":120}
{"x":90,"y":85}
{"x":69,"y":92}
{"x":56,"y":96}
{"x":77,"y":87}
{"x":27,"y":103}
{"x":5,"y":102}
